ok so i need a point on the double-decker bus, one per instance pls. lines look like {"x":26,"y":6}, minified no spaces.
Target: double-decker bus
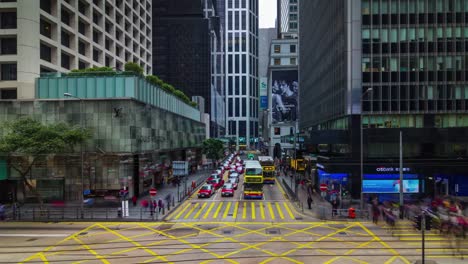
{"x":253,"y":180}
{"x":268,"y":167}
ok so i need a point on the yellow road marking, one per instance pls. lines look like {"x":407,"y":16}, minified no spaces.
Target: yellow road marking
{"x":191,"y":211}
{"x":217,"y":210}
{"x":349,"y":252}
{"x":285,"y":204}
{"x":270,"y":208}
{"x":134,"y":243}
{"x":101,"y":258}
{"x":43,"y":258}
{"x":199,"y":211}
{"x":279,"y":210}
{"x":252,"y":205}
{"x":227,"y":210}
{"x":262,"y":210}
{"x":244,"y":211}
{"x":236,"y":207}
{"x":182,"y":211}
{"x":392,"y":250}
{"x":209,"y":210}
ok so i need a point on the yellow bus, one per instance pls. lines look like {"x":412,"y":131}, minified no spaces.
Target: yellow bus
{"x":268,"y":167}
{"x":253,"y":180}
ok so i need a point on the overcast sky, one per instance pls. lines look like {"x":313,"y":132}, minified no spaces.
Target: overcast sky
{"x":267,"y":10}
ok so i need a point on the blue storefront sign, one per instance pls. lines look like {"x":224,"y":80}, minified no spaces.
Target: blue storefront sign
{"x":390,"y":186}
{"x":263,"y":102}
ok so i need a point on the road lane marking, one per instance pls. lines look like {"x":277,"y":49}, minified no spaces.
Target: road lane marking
{"x":279,"y":210}
{"x":285,"y":204}
{"x":208,"y":211}
{"x":200,"y":210}
{"x":252,"y":205}
{"x":101,"y":258}
{"x":262,"y":210}
{"x":182,"y":211}
{"x":244,"y":211}
{"x":191,"y":211}
{"x":236,"y":207}
{"x":220,"y":205}
{"x":34,"y":235}
{"x":227,"y":210}
{"x":270,"y":208}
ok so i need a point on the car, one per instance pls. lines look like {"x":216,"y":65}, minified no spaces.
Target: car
{"x":206,"y":191}
{"x":232,"y":167}
{"x":219,"y":172}
{"x":234,"y":174}
{"x":234,"y":183}
{"x":213,"y":176}
{"x":227,"y":190}
{"x":216,"y":183}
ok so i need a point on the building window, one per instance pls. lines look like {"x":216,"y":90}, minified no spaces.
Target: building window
{"x":8,"y":72}
{"x":46,"y":53}
{"x":46,"y":29}
{"x":96,"y":55}
{"x":65,"y":61}
{"x":277,"y":62}
{"x":96,"y":36}
{"x":7,"y":20}
{"x":277,"y":48}
{"x":82,"y":7}
{"x":277,"y":131}
{"x":65,"y":17}
{"x":8,"y":46}
{"x":65,"y":39}
{"x":8,"y":94}
{"x":82,"y":48}
{"x":293,"y":8}
{"x":293,"y":25}
{"x":292,"y":16}
{"x":292,"y":61}
{"x":46,"y":6}
{"x":82,"y":65}
{"x":292,"y":48}
{"x":82,"y":27}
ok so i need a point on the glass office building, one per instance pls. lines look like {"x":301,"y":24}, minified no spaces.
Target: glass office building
{"x":387,"y":66}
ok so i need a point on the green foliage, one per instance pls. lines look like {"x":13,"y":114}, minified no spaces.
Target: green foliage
{"x":97,"y":71}
{"x":194,"y":104}
{"x":29,"y":137}
{"x":133,"y":67}
{"x":154,"y":80}
{"x":213,"y":148}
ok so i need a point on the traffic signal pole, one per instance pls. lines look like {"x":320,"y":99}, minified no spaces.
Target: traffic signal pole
{"x":423,"y":227}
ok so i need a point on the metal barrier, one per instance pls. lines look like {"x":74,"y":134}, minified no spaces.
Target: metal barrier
{"x":326,"y":213}
{"x":290,"y":192}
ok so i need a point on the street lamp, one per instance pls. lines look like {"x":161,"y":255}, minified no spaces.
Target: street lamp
{"x":81,"y":150}
{"x":362,"y":151}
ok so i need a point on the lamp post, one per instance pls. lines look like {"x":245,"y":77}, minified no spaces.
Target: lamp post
{"x":362,"y":151}
{"x":81,"y":150}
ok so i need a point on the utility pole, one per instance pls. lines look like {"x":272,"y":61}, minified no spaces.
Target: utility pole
{"x":401,"y":175}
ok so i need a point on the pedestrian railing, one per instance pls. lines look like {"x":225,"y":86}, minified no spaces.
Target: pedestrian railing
{"x":327,"y":213}
{"x":86,"y":214}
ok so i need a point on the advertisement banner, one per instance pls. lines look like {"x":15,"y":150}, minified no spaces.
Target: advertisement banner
{"x":263,"y":102}
{"x":284,"y":92}
{"x":390,"y":186}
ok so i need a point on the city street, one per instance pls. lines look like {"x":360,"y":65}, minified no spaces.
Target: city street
{"x":215,"y":242}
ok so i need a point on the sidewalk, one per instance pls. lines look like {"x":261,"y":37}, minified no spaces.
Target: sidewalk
{"x":71,"y":211}
{"x":300,"y":201}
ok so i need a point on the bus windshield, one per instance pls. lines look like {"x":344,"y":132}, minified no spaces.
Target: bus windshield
{"x":253,"y":171}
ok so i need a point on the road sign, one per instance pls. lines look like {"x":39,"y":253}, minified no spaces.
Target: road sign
{"x":180,"y":168}
{"x":152,"y":192}
{"x":323,"y":187}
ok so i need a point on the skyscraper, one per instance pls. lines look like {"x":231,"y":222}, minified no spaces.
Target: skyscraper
{"x":241,"y":53}
{"x":373,"y":69}
{"x":61,"y":35}
{"x":287,"y":18}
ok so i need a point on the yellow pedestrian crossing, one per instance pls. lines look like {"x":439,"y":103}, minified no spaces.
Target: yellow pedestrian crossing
{"x":230,"y":210}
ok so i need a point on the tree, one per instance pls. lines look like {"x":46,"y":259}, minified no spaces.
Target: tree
{"x":213,"y":148}
{"x":133,"y":67}
{"x":26,"y":141}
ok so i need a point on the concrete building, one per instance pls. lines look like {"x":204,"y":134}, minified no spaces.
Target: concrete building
{"x":283,"y":93}
{"x":137,"y":130}
{"x":59,"y":35}
{"x":265,"y":36}
{"x":374,"y":69}
{"x":287,"y":18}
{"x":241,"y":66}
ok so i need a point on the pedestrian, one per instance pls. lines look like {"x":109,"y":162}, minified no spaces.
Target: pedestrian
{"x":160,"y":205}
{"x":334,"y":207}
{"x":151,"y":205}
{"x":155,"y":205}
{"x":309,"y":202}
{"x":134,"y":200}
{"x":375,"y":213}
{"x":2,"y":212}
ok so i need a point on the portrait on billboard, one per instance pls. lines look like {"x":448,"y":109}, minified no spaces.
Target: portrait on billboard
{"x":284,"y":92}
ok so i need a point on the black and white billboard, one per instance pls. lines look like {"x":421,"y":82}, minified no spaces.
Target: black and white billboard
{"x":284,"y":92}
